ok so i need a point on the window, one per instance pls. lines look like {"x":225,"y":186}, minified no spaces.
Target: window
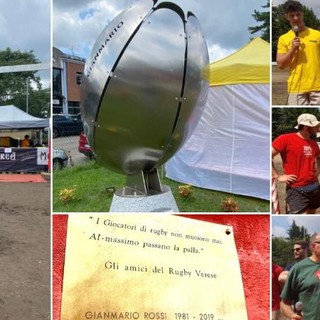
{"x":79,"y":77}
{"x":57,"y":85}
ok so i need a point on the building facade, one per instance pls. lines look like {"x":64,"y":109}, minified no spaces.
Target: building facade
{"x":66,"y":81}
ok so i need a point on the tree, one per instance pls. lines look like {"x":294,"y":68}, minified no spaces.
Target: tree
{"x":285,"y":119}
{"x":14,"y":87}
{"x":281,"y":251}
{"x":297,"y":233}
{"x":264,"y":19}
{"x":39,"y":102}
{"x":280,"y":24}
{"x":282,"y":248}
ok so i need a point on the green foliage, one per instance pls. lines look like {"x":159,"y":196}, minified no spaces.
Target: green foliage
{"x":11,"y":58}
{"x":264,"y":19}
{"x":297,"y":233}
{"x":13,"y":85}
{"x":285,"y":119}
{"x":280,"y":24}
{"x":282,"y":248}
{"x":282,"y":251}
{"x":39,"y":102}
{"x":92,"y":195}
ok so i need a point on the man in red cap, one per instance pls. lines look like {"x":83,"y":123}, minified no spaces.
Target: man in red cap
{"x":300,"y":156}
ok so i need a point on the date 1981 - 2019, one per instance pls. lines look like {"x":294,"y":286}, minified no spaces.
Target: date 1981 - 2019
{"x":200,"y":316}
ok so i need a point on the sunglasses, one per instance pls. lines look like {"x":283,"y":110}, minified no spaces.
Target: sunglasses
{"x":296,"y":249}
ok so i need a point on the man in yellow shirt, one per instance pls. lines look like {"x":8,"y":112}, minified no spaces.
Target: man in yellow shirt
{"x":299,"y":49}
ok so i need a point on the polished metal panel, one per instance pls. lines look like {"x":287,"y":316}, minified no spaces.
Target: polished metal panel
{"x":104,"y":54}
{"x":197,"y":77}
{"x":140,"y":105}
{"x":144,"y":88}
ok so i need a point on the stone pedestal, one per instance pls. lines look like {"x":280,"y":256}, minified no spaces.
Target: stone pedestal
{"x":161,"y":202}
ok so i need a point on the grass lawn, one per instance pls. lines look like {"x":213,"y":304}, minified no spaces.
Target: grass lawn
{"x":90,"y":182}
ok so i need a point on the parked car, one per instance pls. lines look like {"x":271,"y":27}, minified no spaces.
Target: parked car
{"x":84,"y":146}
{"x":66,"y":125}
{"x":60,"y":159}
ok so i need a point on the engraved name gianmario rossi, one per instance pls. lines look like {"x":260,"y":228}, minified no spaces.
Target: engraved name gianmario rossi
{"x":114,"y":315}
{"x":108,"y":37}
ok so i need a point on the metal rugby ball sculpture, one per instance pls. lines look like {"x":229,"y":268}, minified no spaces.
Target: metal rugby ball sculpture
{"x":143,"y":90}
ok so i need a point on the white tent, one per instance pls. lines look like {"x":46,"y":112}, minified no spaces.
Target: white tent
{"x":230,"y":148}
{"x":12,"y":117}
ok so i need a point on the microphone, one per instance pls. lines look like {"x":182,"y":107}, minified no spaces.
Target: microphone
{"x":298,"y":307}
{"x":296,"y":30}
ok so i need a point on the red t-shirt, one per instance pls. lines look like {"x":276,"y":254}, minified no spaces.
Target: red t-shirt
{"x":276,"y":270}
{"x":298,"y":157}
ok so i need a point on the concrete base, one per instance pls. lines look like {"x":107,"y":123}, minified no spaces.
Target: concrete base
{"x":162,"y":202}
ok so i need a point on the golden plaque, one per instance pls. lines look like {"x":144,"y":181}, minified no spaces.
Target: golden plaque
{"x":150,"y":267}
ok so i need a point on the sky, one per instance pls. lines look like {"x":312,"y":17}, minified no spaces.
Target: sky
{"x":312,"y":4}
{"x":25,"y":26}
{"x":281,"y":223}
{"x":77,"y":24}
